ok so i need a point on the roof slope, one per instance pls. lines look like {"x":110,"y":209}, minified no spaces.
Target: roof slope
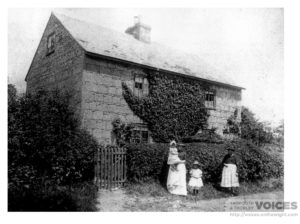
{"x":99,"y":40}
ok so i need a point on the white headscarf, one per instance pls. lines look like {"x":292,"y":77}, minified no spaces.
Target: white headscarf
{"x":173,"y":142}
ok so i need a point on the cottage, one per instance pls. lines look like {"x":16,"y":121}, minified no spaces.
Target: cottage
{"x":91,"y":62}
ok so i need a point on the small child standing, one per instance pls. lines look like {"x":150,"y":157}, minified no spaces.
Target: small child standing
{"x":195,"y":182}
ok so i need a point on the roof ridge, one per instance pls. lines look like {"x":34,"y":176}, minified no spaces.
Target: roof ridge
{"x":101,"y":27}
{"x":104,"y":41}
{"x":79,"y":20}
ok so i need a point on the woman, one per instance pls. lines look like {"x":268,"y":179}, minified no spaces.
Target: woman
{"x":230,"y":179}
{"x":176,"y":183}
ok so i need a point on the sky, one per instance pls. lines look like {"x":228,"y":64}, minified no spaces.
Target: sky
{"x":245,"y":44}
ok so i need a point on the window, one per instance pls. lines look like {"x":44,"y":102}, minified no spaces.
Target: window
{"x":210,"y":101}
{"x":141,"y":86}
{"x":140,"y":134}
{"x":50,"y":43}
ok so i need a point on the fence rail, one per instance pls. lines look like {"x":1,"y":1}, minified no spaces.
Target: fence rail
{"x":110,"y":169}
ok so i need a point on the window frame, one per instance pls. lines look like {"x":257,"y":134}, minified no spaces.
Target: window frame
{"x":140,"y":85}
{"x":137,"y":134}
{"x":210,"y":99}
{"x":50,"y":49}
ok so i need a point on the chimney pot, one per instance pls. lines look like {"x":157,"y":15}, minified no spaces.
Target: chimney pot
{"x":140,"y":31}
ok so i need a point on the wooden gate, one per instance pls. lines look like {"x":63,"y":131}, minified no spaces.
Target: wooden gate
{"x":110,"y":169}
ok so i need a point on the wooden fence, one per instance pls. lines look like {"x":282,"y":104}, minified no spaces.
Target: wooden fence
{"x":110,"y":169}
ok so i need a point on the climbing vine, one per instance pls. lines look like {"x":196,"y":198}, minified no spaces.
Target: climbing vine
{"x":174,"y":107}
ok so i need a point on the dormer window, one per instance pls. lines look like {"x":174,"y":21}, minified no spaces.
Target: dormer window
{"x":141,"y":86}
{"x":50,"y":43}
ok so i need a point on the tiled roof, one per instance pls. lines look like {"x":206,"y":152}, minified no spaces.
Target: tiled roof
{"x":106,"y":42}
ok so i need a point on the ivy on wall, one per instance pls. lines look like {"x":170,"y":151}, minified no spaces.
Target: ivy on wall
{"x":174,"y":107}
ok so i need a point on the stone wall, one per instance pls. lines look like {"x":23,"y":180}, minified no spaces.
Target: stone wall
{"x":227,"y":101}
{"x":103,"y":101}
{"x":95,"y":85}
{"x":61,"y":69}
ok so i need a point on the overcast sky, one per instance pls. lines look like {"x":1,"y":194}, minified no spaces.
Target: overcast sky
{"x":246,"y":44}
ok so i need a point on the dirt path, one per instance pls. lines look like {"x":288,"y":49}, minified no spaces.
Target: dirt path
{"x":118,"y":201}
{"x":111,"y":201}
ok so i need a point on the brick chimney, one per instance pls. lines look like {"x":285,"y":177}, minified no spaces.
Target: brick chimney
{"x":140,"y":31}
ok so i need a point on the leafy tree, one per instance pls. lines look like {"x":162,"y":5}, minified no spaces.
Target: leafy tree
{"x":252,"y":129}
{"x":233,"y":124}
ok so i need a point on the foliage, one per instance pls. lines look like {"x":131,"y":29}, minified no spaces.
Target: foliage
{"x":81,"y":197}
{"x":208,"y":135}
{"x":174,"y":107}
{"x":147,"y":162}
{"x":121,"y":131}
{"x":279,"y":135}
{"x":151,"y":192}
{"x":45,"y":144}
{"x":233,"y":125}
{"x":250,"y":128}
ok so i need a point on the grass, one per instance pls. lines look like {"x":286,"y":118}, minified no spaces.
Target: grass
{"x":208,"y":191}
{"x":153,"y":196}
{"x":85,"y":196}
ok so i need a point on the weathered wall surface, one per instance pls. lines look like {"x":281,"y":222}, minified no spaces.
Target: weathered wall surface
{"x":102,"y":99}
{"x":227,"y":101}
{"x":61,"y":69}
{"x":95,"y":85}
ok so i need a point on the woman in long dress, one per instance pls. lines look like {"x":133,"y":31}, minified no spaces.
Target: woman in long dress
{"x":230,"y":180}
{"x":176,"y":183}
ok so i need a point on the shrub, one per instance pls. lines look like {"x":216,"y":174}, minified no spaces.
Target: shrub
{"x":252,"y":129}
{"x":46,"y":145}
{"x":233,"y":124}
{"x":81,"y":197}
{"x":122,"y":132}
{"x":209,"y":136}
{"x":147,"y":162}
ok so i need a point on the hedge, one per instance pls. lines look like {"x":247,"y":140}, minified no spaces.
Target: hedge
{"x":46,"y":147}
{"x":148,"y":162}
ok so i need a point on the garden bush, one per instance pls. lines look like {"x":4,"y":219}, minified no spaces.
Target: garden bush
{"x":79,"y":197}
{"x":208,"y":135}
{"x":46,"y":147}
{"x":148,"y":162}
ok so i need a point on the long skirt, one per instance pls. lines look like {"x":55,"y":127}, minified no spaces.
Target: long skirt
{"x":176,"y":183}
{"x":229,"y":176}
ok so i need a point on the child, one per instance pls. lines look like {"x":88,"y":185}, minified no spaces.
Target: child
{"x":173,"y":158}
{"x":230,"y":179}
{"x":195,"y":182}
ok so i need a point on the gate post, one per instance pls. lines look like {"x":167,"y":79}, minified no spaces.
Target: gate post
{"x":96,"y":179}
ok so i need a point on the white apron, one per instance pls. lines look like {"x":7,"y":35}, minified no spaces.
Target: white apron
{"x":229,"y":176}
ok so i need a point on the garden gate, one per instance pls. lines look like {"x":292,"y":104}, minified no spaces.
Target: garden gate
{"x":110,"y":169}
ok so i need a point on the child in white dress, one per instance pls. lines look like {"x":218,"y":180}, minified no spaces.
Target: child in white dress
{"x":195,"y":182}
